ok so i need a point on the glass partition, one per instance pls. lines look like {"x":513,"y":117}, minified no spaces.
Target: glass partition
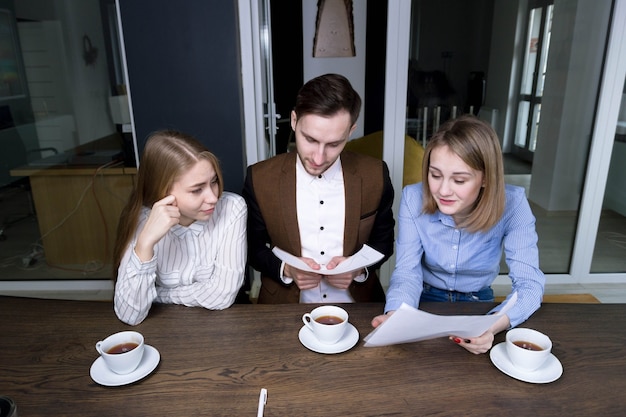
{"x":610,"y":245}
{"x":67,"y":163}
{"x":491,"y":59}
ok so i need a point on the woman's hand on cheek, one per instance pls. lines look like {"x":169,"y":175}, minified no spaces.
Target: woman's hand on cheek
{"x":163,"y":216}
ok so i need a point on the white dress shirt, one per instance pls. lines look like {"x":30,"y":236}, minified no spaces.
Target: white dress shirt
{"x":320,"y":203}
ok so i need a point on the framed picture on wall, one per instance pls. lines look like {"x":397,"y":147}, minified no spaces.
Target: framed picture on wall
{"x":11,"y":71}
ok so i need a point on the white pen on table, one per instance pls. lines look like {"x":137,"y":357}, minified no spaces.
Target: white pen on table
{"x":262,"y":401}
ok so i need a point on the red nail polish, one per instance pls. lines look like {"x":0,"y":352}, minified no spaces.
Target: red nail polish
{"x":456,"y":340}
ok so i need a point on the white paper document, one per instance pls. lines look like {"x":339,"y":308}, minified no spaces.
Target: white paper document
{"x":365,"y":257}
{"x":408,"y":324}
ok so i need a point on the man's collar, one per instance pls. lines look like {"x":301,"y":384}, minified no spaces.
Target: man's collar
{"x":329,"y":175}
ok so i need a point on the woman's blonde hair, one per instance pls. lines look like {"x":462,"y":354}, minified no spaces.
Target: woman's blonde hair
{"x":167,"y":155}
{"x":477,"y":144}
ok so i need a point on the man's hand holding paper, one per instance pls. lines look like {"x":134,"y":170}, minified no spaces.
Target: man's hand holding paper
{"x":305,"y":279}
{"x":365,"y":257}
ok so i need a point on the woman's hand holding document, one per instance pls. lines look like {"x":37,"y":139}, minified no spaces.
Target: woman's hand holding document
{"x":408,"y":324}
{"x":365,"y":257}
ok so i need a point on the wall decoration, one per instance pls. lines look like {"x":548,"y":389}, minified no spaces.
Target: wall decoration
{"x":334,"y":29}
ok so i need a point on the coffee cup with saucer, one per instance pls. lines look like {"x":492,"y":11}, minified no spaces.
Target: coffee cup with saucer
{"x":124,"y":359}
{"x":526,"y":355}
{"x":122,"y":351}
{"x":327,"y":330}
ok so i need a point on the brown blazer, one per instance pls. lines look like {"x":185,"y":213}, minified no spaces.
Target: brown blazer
{"x":270,"y":192}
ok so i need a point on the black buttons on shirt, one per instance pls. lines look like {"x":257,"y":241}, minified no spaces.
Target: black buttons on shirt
{"x":321,"y":201}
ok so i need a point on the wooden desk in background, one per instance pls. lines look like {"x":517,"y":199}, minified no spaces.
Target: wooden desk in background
{"x":78,"y":209}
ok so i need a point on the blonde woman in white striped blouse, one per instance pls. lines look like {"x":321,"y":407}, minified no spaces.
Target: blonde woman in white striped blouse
{"x":181,"y":239}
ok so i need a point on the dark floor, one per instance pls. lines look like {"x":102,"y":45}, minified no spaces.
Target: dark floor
{"x":515,"y":166}
{"x":21,"y":252}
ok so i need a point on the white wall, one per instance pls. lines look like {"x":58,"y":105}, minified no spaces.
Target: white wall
{"x":89,"y":84}
{"x":352,"y":68}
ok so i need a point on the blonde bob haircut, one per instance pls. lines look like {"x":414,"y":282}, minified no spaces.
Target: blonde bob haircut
{"x":167,"y":155}
{"x":477,"y":144}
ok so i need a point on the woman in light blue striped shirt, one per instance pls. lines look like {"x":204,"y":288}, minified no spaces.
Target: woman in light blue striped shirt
{"x":454,"y":226}
{"x":181,"y":238}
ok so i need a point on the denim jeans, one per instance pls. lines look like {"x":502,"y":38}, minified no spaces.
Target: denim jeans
{"x":431,"y":293}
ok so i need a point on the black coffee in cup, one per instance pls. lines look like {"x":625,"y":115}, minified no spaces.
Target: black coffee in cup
{"x":122,"y":348}
{"x":527,"y":345}
{"x":329,"y":320}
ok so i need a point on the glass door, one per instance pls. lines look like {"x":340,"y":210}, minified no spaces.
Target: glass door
{"x":522,"y":82}
{"x":270,"y":116}
{"x":610,"y":243}
{"x":537,"y":44}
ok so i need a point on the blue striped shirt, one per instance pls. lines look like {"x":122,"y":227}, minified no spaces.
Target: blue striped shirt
{"x":431,"y":249}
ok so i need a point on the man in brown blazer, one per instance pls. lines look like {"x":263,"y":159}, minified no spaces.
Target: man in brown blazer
{"x":320,"y":203}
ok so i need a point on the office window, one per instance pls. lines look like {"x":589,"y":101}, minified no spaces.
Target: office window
{"x":66,"y":170}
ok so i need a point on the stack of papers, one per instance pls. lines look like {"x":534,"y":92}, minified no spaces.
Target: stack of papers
{"x":408,"y":324}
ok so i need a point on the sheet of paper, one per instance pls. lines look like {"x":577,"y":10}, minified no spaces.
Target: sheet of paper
{"x":365,"y":257}
{"x":408,"y":324}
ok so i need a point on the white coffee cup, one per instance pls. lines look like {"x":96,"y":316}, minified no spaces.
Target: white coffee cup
{"x":328,"y":323}
{"x":122,"y":352}
{"x":528,"y":349}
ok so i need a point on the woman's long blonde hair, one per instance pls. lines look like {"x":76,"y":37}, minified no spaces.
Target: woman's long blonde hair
{"x":166,"y":156}
{"x":477,"y":144}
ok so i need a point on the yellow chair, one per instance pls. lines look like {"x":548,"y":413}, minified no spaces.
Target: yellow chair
{"x":372,"y":145}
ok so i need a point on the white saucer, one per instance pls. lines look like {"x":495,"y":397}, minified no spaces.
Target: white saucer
{"x":550,"y":371}
{"x":349,"y":339}
{"x":101,"y":374}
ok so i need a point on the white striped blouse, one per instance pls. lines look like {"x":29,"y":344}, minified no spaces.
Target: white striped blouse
{"x":200,"y":265}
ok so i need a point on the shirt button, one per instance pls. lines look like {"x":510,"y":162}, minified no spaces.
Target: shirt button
{"x":321,"y":201}
{"x":451,"y":265}
{"x":324,"y":296}
{"x":319,"y":176}
{"x":454,"y":247}
{"x":321,"y":227}
{"x":322,"y":252}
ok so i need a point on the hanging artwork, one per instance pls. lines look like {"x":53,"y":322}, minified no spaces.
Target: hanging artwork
{"x":334,"y":29}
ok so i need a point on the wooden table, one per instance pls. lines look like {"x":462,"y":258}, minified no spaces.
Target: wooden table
{"x":214,"y":363}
